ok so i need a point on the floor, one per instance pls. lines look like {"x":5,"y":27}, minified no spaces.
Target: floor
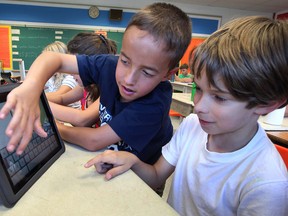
{"x":175,"y":123}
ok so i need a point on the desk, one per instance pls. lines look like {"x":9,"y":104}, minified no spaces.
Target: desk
{"x":279,"y":137}
{"x":277,"y":133}
{"x":181,"y":103}
{"x":67,"y":188}
{"x":183,"y":87}
{"x":269,"y":127}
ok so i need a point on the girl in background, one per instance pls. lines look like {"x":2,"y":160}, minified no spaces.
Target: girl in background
{"x":60,"y":83}
{"x":88,"y":43}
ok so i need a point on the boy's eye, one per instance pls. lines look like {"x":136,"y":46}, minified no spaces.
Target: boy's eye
{"x":124,"y":61}
{"x":146,"y":73}
{"x":220,"y":99}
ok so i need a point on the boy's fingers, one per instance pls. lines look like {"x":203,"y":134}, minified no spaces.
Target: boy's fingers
{"x":38,"y":128}
{"x":20,"y":128}
{"x":93,"y":161}
{"x":19,"y":132}
{"x":6,"y":109}
{"x":112,"y":173}
{"x":27,"y":134}
{"x":100,"y":159}
{"x":15,"y":129}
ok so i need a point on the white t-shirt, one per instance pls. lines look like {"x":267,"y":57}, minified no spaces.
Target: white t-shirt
{"x":249,"y":181}
{"x":59,"y":79}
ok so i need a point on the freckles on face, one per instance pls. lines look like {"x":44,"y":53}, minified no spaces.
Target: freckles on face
{"x":142,"y":64}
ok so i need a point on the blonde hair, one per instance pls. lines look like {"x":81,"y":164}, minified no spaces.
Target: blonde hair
{"x":57,"y":78}
{"x":57,"y":46}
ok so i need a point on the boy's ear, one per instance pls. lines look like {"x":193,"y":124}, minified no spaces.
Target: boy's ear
{"x":273,"y":105}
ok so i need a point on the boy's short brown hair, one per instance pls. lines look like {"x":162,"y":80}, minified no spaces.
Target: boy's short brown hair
{"x":184,"y":66}
{"x":90,"y":43}
{"x":250,"y":55}
{"x":167,"y":24}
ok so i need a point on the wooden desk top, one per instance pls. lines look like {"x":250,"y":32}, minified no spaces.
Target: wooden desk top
{"x":181,"y":103}
{"x":183,"y":87}
{"x":279,"y":137}
{"x":180,"y":83}
{"x":277,"y":133}
{"x":183,"y":97}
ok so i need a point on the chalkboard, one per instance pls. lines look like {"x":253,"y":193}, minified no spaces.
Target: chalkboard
{"x":28,"y":42}
{"x":117,"y":37}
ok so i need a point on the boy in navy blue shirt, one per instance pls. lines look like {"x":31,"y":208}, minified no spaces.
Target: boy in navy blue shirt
{"x":135,"y":94}
{"x":223,"y":162}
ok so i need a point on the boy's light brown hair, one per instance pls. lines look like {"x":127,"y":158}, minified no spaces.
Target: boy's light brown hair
{"x":250,"y":55}
{"x":168,"y":25}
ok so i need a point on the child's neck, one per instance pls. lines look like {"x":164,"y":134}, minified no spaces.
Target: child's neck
{"x":230,"y":142}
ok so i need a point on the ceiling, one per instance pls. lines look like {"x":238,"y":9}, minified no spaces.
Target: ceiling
{"x":269,"y":6}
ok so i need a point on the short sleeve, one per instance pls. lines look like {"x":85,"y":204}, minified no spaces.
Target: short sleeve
{"x":69,"y":81}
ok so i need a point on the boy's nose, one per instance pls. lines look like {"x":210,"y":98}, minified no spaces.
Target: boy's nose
{"x":131,"y":77}
{"x":200,"y":104}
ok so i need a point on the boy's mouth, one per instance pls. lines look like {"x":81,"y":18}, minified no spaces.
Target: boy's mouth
{"x":128,"y":89}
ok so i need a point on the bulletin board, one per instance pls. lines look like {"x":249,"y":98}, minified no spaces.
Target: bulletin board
{"x":195,"y":41}
{"x":5,"y":47}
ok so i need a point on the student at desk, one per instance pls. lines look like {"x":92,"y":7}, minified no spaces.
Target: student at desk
{"x":60,"y":83}
{"x":184,"y":76}
{"x":135,"y":93}
{"x":88,"y":43}
{"x":223,"y":160}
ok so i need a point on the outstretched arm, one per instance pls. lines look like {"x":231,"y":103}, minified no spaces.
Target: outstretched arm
{"x":23,"y":101}
{"x":78,"y":118}
{"x":121,"y":161}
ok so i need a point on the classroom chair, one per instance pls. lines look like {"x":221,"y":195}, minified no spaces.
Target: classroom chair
{"x":173,"y":113}
{"x":283,"y":152}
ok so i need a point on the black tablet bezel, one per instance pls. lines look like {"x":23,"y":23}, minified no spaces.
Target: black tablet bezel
{"x":9,"y":193}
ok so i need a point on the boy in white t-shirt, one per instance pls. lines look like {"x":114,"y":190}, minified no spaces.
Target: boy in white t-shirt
{"x":223,"y":161}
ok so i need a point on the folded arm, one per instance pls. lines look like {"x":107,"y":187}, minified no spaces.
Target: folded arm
{"x":68,"y":97}
{"x":78,"y":118}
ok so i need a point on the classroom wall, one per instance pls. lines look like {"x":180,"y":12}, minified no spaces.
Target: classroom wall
{"x":47,"y":18}
{"x":36,"y":26}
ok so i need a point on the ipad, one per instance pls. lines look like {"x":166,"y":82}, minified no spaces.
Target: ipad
{"x":19,"y":172}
